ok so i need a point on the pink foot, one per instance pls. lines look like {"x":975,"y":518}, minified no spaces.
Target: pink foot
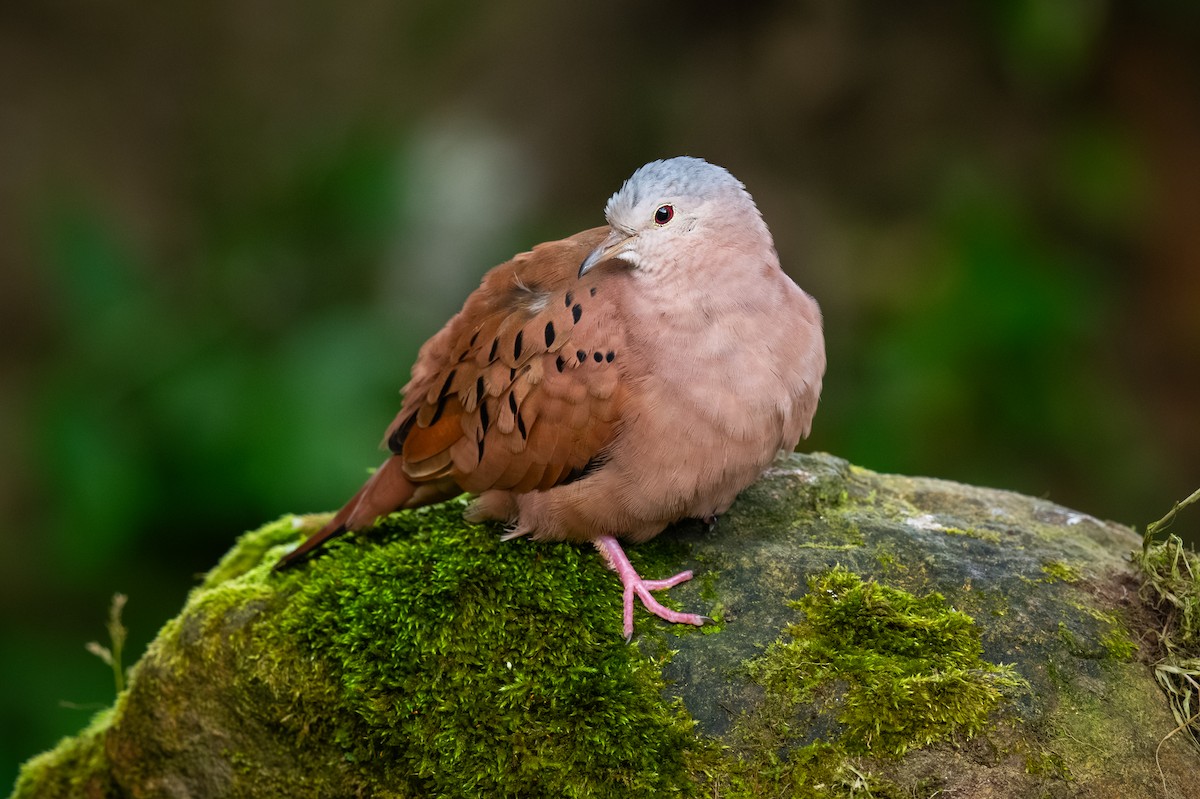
{"x":634,"y":584}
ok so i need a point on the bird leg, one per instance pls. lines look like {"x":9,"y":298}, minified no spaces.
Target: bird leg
{"x":634,"y":584}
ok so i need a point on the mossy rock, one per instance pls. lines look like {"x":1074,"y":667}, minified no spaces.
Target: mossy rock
{"x":875,"y":636}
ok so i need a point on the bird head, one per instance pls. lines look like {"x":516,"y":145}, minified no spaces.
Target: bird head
{"x":664,"y":206}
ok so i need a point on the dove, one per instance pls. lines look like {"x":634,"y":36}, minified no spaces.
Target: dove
{"x":607,"y":385}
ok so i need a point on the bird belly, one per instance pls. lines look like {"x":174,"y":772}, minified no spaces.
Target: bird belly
{"x":662,"y":467}
{"x":713,"y":403}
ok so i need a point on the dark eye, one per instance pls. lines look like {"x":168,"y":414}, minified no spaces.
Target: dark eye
{"x":664,"y":214}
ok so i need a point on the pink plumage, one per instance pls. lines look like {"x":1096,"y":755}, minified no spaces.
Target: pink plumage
{"x":608,"y":384}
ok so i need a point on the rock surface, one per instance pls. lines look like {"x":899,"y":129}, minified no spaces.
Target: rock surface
{"x":902,"y":636}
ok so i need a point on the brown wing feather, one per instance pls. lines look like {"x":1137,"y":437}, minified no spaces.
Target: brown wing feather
{"x":511,"y":394}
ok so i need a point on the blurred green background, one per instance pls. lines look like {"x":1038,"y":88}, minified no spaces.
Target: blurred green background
{"x":226,"y":227}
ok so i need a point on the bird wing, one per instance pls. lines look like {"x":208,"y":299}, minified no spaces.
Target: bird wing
{"x":523,"y":388}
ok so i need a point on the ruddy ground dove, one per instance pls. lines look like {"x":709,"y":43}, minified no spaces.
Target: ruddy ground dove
{"x":609,"y":384}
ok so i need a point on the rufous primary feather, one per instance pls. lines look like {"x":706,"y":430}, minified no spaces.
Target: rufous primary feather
{"x":611,"y":383}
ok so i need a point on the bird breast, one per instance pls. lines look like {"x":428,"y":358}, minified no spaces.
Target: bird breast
{"x":745,"y":359}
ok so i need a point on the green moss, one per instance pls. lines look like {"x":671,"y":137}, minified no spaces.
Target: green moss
{"x":445,"y":694}
{"x":886,"y":560}
{"x":1057,"y":571}
{"x":1045,"y":763}
{"x":76,"y":767}
{"x":1113,"y":638}
{"x":1118,"y":644}
{"x":869,"y":672}
{"x":902,"y":671}
{"x":990,"y":536}
{"x":819,"y":770}
{"x":427,"y":656}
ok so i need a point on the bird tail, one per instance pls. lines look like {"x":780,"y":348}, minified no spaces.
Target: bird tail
{"x":387,"y":490}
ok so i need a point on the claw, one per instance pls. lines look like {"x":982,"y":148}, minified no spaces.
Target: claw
{"x":634,"y":584}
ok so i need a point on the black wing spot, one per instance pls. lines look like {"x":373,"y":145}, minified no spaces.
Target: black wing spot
{"x":474,"y":338}
{"x":484,"y":418}
{"x":446,"y":385}
{"x":512,"y":374}
{"x":492,"y":352}
{"x":593,"y":291}
{"x":512,"y":402}
{"x":581,"y":355}
{"x":480,"y":445}
{"x":598,"y":356}
{"x":560,"y":364}
{"x":517,"y":344}
{"x":437,"y":414}
{"x":569,"y":299}
{"x":608,"y":356}
{"x":521,"y":427}
{"x":576,"y":311}
{"x":549,"y":333}
{"x":479,"y":389}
